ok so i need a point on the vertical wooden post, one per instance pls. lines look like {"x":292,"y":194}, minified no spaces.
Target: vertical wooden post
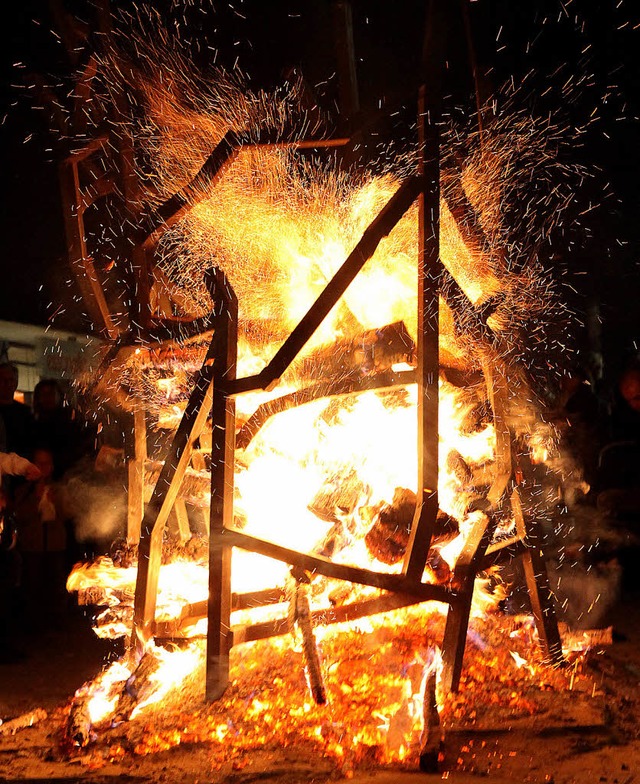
{"x":135,"y":467}
{"x":537,"y":579}
{"x":346,"y":60}
{"x":455,"y":633}
{"x":429,"y":270}
{"x":222,"y":484}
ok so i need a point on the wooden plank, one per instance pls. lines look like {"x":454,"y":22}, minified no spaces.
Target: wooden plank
{"x":163,"y":498}
{"x":169,"y":213}
{"x":381,"y":225}
{"x":343,"y":614}
{"x":540,"y":594}
{"x":466,"y":569}
{"x":355,"y":574}
{"x":275,"y":627}
{"x":135,"y":469}
{"x":78,"y":154}
{"x":81,"y":265}
{"x":222,"y":484}
{"x":429,"y":273}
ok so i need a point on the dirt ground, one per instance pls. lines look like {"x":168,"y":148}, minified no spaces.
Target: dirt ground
{"x":602,"y":748}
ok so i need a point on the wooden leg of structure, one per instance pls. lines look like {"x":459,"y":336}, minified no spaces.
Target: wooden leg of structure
{"x":537,"y":579}
{"x":135,"y":467}
{"x":180,"y":518}
{"x":429,"y":272}
{"x":160,"y":505}
{"x":219,"y":636}
{"x":455,"y":633}
{"x":541,"y":597}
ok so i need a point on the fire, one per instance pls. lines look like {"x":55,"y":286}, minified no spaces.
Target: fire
{"x":316,"y":477}
{"x":323,"y":470}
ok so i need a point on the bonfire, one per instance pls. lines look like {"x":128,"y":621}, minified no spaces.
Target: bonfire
{"x":304,"y":568}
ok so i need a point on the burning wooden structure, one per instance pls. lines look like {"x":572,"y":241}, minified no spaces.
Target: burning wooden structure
{"x":216,"y":385}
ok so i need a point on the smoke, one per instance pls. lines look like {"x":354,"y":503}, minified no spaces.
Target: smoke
{"x":96,"y":505}
{"x":585,"y":593}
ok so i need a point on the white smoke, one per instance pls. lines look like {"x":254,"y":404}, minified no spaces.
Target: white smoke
{"x":96,"y":506}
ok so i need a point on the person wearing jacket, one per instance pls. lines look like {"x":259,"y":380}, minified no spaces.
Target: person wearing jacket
{"x":10,"y":569}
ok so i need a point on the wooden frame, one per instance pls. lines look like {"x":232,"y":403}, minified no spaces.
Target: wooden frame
{"x":216,"y":386}
{"x":407,"y":586}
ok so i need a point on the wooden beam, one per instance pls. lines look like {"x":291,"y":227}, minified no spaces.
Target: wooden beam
{"x":465,"y":572}
{"x":540,"y":593}
{"x":78,"y":154}
{"x":321,"y":565}
{"x":222,"y":483}
{"x":163,"y":498}
{"x":219,"y":160}
{"x":274,"y":627}
{"x":79,"y":261}
{"x":180,"y":517}
{"x":343,"y":614}
{"x":348,"y":96}
{"x":341,"y":386}
{"x":429,"y":275}
{"x":174,"y":208}
{"x":135,"y":468}
{"x":381,"y":225}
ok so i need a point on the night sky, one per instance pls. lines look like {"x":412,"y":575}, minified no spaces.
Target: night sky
{"x":537,"y":44}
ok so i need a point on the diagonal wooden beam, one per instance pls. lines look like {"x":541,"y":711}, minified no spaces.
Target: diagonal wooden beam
{"x":80,"y":262}
{"x":163,"y":498}
{"x":381,"y":225}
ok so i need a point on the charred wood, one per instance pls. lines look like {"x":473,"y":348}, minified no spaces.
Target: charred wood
{"x":300,"y":615}
{"x":137,"y":687}
{"x":431,"y":741}
{"x":388,"y":537}
{"x":25,"y":720}
{"x":373,"y":351}
{"x":99,"y":595}
{"x":78,"y":729}
{"x":194,"y":488}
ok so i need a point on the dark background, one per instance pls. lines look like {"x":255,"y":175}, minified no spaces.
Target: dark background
{"x":537,"y":45}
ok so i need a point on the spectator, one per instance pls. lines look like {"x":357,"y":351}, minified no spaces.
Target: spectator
{"x":9,"y":558}
{"x":58,"y":426}
{"x":16,"y":417}
{"x":619,"y":467}
{"x":42,"y":543}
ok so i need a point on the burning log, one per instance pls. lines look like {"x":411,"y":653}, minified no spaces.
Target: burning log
{"x":339,"y":495}
{"x":78,"y":729}
{"x":137,"y":687}
{"x":20,"y":722}
{"x":370,"y":352}
{"x":114,"y":622}
{"x":300,"y":615}
{"x":432,"y":739}
{"x":194,"y":489}
{"x":99,"y":595}
{"x":388,"y":537}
